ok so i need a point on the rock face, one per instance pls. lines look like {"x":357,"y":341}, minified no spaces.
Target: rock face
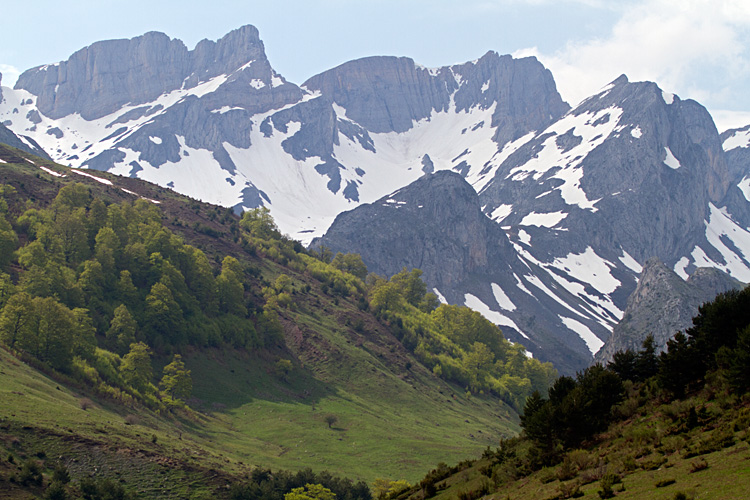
{"x":23,"y":143}
{"x":101,"y":78}
{"x":663,"y":304}
{"x":392,"y":94}
{"x":436,"y":224}
{"x":632,"y":169}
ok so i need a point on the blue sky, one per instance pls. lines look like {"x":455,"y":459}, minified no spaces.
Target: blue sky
{"x":698,"y":49}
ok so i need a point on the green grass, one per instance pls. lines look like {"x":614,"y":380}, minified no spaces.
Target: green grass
{"x":395,"y":419}
{"x":648,"y":451}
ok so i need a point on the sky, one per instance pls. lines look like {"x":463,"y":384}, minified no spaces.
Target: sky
{"x":697,"y":49}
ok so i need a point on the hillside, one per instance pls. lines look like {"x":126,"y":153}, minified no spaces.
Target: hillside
{"x":393,"y":417}
{"x":672,"y":426}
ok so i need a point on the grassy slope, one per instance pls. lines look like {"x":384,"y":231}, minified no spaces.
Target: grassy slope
{"x":659,"y":454}
{"x":393,"y":421}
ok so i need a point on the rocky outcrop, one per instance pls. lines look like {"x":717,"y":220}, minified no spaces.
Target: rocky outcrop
{"x":99,"y":79}
{"x":436,"y":224}
{"x":663,"y":304}
{"x":390,"y":94}
{"x":640,"y":179}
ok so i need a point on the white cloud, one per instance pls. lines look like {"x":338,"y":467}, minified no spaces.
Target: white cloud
{"x":726,"y":119}
{"x":10,"y":75}
{"x":696,"y":48}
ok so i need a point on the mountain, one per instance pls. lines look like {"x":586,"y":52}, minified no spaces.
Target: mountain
{"x":585,"y":196}
{"x":584,"y":202}
{"x":219,"y":124}
{"x":436,"y":224}
{"x":662,"y":304}
{"x":19,"y":141}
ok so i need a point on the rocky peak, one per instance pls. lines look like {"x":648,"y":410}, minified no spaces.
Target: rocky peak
{"x":106,"y":75}
{"x":389,"y":94}
{"x":435,"y":219}
{"x":663,"y":304}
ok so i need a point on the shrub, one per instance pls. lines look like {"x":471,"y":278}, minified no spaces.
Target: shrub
{"x":609,"y":480}
{"x":654,"y":463}
{"x":581,"y":459}
{"x":629,"y":463}
{"x":665,"y":482}
{"x":698,"y":465}
{"x":56,"y":491}
{"x":31,"y":473}
{"x":61,"y":474}
{"x":85,"y":403}
{"x":567,"y":470}
{"x":570,"y":490}
{"x":672,"y":444}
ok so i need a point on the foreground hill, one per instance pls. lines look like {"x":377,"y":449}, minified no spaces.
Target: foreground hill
{"x":268,"y":366}
{"x":672,"y":426}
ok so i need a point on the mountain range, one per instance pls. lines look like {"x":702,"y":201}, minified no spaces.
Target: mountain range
{"x":539,"y":215}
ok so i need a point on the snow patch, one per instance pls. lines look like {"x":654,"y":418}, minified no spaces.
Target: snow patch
{"x":740,"y":139}
{"x":630,"y":262}
{"x":257,"y":83}
{"x":636,"y":132}
{"x":208,"y":87}
{"x":97,"y":179}
{"x":524,"y":237}
{"x":495,"y":317}
{"x":593,"y":342}
{"x":155,"y":140}
{"x":226,"y":109}
{"x":720,"y":224}
{"x":502,"y":299}
{"x":440,"y":296}
{"x":589,"y":268}
{"x":744,"y":186}
{"x":671,"y":161}
{"x":501,"y":212}
{"x":543,"y":220}
{"x":668,"y":98}
{"x":48,"y":170}
{"x":679,"y":268}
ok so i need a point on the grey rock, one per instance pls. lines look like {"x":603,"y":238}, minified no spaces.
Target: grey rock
{"x":663,"y":304}
{"x":644,"y":207}
{"x":389,"y":94}
{"x":436,"y":224}
{"x":30,"y":145}
{"x":101,"y":78}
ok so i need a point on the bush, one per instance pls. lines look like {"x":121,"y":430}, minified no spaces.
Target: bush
{"x":665,"y":482}
{"x":698,"y":465}
{"x":609,"y":480}
{"x":31,"y":473}
{"x":570,"y":490}
{"x":566,"y":470}
{"x":61,"y":475}
{"x":56,"y":491}
{"x":581,"y":459}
